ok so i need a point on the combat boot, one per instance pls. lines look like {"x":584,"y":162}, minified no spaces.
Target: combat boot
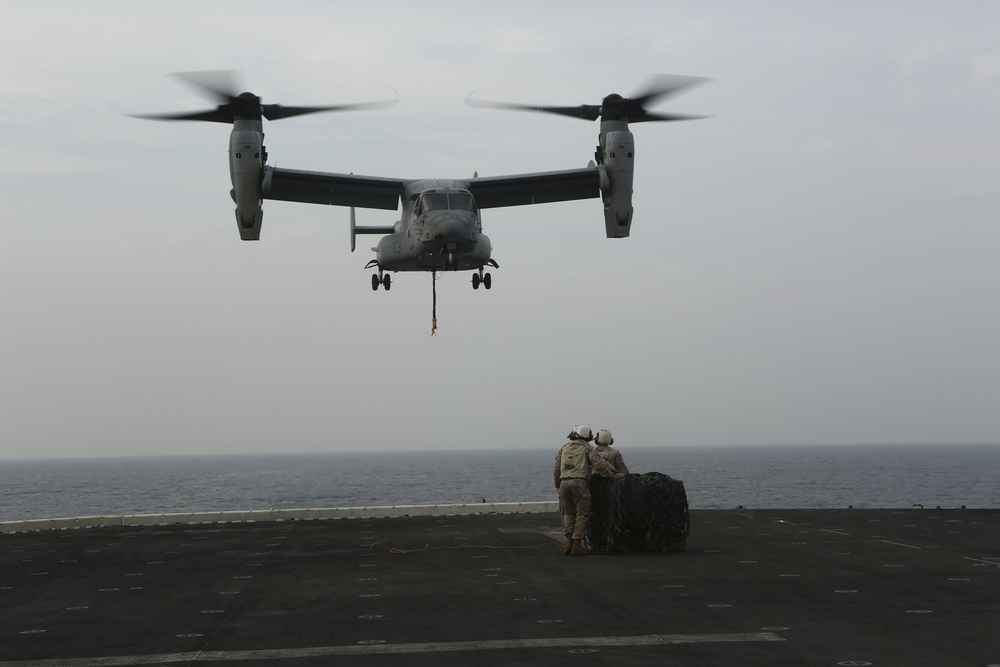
{"x":578,"y":549}
{"x":569,"y":545}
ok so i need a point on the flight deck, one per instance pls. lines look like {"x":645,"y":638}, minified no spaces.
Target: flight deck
{"x":754,"y":587}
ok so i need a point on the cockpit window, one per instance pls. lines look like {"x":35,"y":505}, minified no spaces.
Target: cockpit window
{"x":440,"y":201}
{"x":433,"y":202}
{"x":461,"y":201}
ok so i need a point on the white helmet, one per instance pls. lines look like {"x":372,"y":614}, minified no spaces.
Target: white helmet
{"x":604,"y":437}
{"x":582,"y":432}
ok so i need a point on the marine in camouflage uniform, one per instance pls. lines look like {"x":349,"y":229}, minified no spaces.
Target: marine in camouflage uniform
{"x":610,"y":455}
{"x":573,"y":466}
{"x":600,"y":488}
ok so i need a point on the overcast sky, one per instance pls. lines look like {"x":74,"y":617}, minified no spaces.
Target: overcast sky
{"x":817,"y":262}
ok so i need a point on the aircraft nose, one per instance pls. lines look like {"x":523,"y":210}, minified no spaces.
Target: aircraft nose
{"x":452,"y":227}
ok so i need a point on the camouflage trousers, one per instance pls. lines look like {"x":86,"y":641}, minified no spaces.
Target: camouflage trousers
{"x":574,"y":506}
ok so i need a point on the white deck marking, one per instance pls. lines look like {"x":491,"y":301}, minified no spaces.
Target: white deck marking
{"x":387,"y":649}
{"x":900,"y":544}
{"x":838,"y":532}
{"x":980,"y":560}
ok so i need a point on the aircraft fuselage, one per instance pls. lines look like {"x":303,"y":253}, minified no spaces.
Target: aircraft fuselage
{"x":440,"y":229}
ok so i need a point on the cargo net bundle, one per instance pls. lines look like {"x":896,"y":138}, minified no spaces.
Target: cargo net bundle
{"x":638,"y":514}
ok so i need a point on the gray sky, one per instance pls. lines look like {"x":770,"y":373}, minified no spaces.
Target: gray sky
{"x":815,"y":263}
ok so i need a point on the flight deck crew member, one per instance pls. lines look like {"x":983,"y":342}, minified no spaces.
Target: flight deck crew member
{"x":610,"y":455}
{"x":573,"y":466}
{"x":600,"y":493}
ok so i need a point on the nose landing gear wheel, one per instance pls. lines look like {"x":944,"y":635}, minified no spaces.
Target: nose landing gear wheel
{"x":476,"y":280}
{"x":375,"y":282}
{"x":387,"y":282}
{"x":487,"y":281}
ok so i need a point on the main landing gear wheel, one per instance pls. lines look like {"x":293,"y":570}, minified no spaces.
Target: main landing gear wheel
{"x":385,"y":281}
{"x":481,"y":279}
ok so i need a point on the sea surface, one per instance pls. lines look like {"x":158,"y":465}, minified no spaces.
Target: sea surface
{"x":813,"y":476}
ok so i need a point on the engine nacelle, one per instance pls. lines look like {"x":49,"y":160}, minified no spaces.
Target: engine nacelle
{"x":246,"y":165}
{"x":618,"y":163}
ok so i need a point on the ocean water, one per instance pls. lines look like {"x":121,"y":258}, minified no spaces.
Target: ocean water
{"x":830,"y":476}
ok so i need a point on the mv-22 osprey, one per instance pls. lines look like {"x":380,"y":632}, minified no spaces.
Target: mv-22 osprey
{"x":440,"y":226}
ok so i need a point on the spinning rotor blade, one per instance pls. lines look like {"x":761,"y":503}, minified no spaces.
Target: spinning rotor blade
{"x":221,"y":86}
{"x":660,"y":86}
{"x":213,"y":115}
{"x":584,"y":111}
{"x":276,"y":111}
{"x":614,"y":106}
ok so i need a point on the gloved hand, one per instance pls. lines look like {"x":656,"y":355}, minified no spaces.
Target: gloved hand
{"x":618,"y":475}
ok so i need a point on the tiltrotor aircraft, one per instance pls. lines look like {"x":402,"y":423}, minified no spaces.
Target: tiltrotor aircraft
{"x":440,"y":225}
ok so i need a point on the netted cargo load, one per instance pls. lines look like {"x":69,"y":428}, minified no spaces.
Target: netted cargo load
{"x":637,"y":514}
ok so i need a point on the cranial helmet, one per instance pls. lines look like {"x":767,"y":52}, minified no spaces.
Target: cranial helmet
{"x":604,"y":437}
{"x":581,"y":432}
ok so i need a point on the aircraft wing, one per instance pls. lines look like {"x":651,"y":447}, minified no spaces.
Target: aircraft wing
{"x":540,"y":188}
{"x":315,"y":187}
